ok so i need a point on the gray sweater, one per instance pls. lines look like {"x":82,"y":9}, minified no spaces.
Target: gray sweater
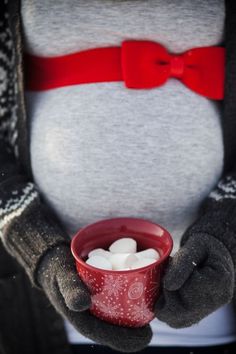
{"x":152,"y":154}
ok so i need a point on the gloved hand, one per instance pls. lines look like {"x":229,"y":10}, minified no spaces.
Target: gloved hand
{"x":198,"y":280}
{"x":58,"y":277}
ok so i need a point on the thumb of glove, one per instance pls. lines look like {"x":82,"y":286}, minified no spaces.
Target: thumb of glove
{"x":58,"y":276}
{"x":183,"y":264}
{"x":74,"y":291}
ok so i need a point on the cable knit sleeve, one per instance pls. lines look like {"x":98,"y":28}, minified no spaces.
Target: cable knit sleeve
{"x":28,"y":228}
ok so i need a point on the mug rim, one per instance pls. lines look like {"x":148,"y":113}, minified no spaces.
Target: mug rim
{"x":110,"y":272}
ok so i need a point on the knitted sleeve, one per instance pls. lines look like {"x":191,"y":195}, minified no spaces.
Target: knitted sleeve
{"x":28,"y":228}
{"x":218,"y":214}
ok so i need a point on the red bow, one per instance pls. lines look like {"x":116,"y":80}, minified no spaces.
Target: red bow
{"x":141,"y":64}
{"x":147,"y":64}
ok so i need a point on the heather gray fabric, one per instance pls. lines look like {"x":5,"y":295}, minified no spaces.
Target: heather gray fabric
{"x":140,"y":153}
{"x":154,"y":154}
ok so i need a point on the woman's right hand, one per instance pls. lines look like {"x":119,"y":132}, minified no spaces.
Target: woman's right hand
{"x":59,"y":279}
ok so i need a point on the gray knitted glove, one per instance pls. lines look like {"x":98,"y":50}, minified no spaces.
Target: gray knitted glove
{"x":58,"y":277}
{"x":199,"y":279}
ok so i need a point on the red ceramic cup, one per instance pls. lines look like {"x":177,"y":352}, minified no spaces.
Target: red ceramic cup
{"x":124,"y":298}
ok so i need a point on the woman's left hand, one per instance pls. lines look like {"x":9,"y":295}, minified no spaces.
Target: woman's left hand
{"x":199,"y":279}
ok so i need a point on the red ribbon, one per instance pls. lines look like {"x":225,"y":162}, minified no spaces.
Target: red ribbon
{"x":140,"y":64}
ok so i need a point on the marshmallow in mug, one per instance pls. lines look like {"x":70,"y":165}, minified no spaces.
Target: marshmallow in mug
{"x":122,"y":255}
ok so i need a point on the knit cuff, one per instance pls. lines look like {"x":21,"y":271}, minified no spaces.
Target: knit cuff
{"x":28,"y":228}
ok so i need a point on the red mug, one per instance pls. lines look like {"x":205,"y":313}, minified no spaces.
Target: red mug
{"x":125,"y":297}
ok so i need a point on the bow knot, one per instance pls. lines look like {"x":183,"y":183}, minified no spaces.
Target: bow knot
{"x":147,"y":64}
{"x":176,"y":66}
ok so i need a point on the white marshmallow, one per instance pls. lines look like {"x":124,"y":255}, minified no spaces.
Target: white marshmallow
{"x":99,"y":252}
{"x":120,"y":261}
{"x":148,"y":253}
{"x":125,"y":269}
{"x":124,"y":245}
{"x":142,"y":263}
{"x":99,"y":262}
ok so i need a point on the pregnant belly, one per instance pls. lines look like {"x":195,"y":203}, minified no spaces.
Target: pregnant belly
{"x":101,"y":150}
